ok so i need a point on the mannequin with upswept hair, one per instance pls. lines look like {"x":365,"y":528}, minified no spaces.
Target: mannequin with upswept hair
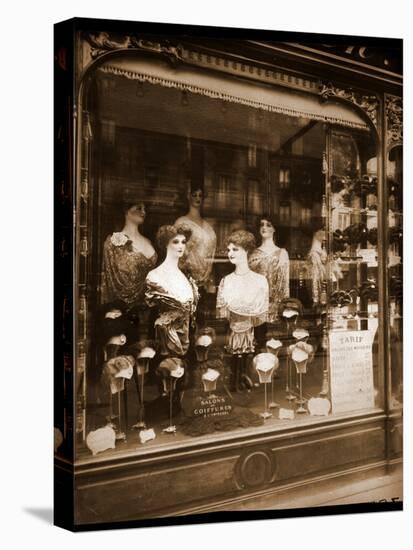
{"x":175,"y":294}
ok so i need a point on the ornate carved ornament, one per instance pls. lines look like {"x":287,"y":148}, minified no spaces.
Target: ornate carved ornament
{"x":103,"y":42}
{"x":368,"y":102}
{"x":394,"y":119}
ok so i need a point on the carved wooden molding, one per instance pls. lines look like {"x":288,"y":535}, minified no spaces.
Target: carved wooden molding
{"x":104,"y":42}
{"x":394,"y":119}
{"x":368,"y":102}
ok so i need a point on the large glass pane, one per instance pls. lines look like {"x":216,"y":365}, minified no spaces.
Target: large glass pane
{"x":227,"y":265}
{"x":395,"y":271}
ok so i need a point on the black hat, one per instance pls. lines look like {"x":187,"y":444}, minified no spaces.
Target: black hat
{"x":118,"y":326}
{"x":291,"y":303}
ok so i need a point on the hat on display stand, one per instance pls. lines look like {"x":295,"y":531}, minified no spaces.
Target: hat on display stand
{"x":265,"y":364}
{"x":209,"y":379}
{"x":202,"y":345}
{"x":172,"y":370}
{"x":273,"y":346}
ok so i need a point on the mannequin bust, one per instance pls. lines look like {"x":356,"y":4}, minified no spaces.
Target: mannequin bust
{"x":200,"y":250}
{"x":243,"y":300}
{"x":317,"y":258}
{"x":273,"y":262}
{"x":175,"y":294}
{"x":128,"y":256}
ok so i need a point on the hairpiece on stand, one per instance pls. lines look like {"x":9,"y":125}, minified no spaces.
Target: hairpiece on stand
{"x":290,"y":307}
{"x":395,"y":234}
{"x":393,"y":186}
{"x":372,"y":236}
{"x":209,"y":379}
{"x":368,"y":185}
{"x":369,"y":290}
{"x":118,"y":326}
{"x":301,"y":334}
{"x":300,"y":358}
{"x":396,"y":286}
{"x":339,"y":241}
{"x":121,"y":366}
{"x":340,"y":298}
{"x":273,"y":346}
{"x":171,"y":367}
{"x":355,"y":233}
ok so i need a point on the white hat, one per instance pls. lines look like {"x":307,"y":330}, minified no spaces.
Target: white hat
{"x":203,"y":340}
{"x":300,"y":358}
{"x":209,"y":379}
{"x":265,"y":363}
{"x":121,"y":366}
{"x":146,"y":353}
{"x":301,"y":333}
{"x":273,"y":345}
{"x":288,"y":313}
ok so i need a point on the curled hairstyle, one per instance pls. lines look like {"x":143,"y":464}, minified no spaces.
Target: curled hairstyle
{"x":127,"y":205}
{"x":242,"y":238}
{"x":270,"y":219}
{"x":167,"y":232}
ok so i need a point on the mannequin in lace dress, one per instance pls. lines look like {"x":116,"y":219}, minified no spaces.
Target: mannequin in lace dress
{"x":273,"y":262}
{"x":243,"y":300}
{"x":317,"y":259}
{"x":128,"y":256}
{"x":200,"y":250}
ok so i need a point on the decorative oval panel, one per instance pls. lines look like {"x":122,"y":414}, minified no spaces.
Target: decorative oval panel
{"x":254,"y":469}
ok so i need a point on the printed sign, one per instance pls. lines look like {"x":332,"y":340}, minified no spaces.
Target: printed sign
{"x":351,"y":370}
{"x":203,"y":406}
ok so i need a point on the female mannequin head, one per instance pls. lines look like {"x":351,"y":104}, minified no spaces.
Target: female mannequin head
{"x":172,"y":240}
{"x":239,"y":244}
{"x":195,"y":197}
{"x":319,"y":236}
{"x":134,"y":213}
{"x":266,"y":228}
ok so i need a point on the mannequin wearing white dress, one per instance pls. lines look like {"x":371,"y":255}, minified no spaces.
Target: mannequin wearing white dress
{"x":243,"y":300}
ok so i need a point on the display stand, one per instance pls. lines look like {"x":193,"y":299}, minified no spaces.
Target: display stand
{"x":171,"y":429}
{"x":300,"y":358}
{"x":265,"y":365}
{"x":119,"y":434}
{"x":301,"y":401}
{"x":274,"y":346}
{"x":142,"y":368}
{"x":324,"y":346}
{"x":288,"y":387}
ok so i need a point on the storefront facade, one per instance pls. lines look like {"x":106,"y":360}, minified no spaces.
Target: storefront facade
{"x":301,"y":140}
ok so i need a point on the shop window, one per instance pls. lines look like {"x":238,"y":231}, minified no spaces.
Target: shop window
{"x":211,"y":303}
{"x":394,"y":183}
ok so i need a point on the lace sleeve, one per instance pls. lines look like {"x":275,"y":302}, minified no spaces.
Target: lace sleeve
{"x":263,"y":316}
{"x":284,"y":274}
{"x":222,"y":308}
{"x":117,"y":281}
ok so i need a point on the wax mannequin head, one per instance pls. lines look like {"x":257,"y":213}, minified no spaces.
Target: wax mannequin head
{"x":267,"y":228}
{"x":172,"y":240}
{"x":134,"y":213}
{"x":196,"y":197}
{"x":319,"y":236}
{"x":239,"y":245}
{"x":176,"y":246}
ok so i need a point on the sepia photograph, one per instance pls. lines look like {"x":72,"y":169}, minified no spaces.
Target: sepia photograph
{"x":228,"y":300}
